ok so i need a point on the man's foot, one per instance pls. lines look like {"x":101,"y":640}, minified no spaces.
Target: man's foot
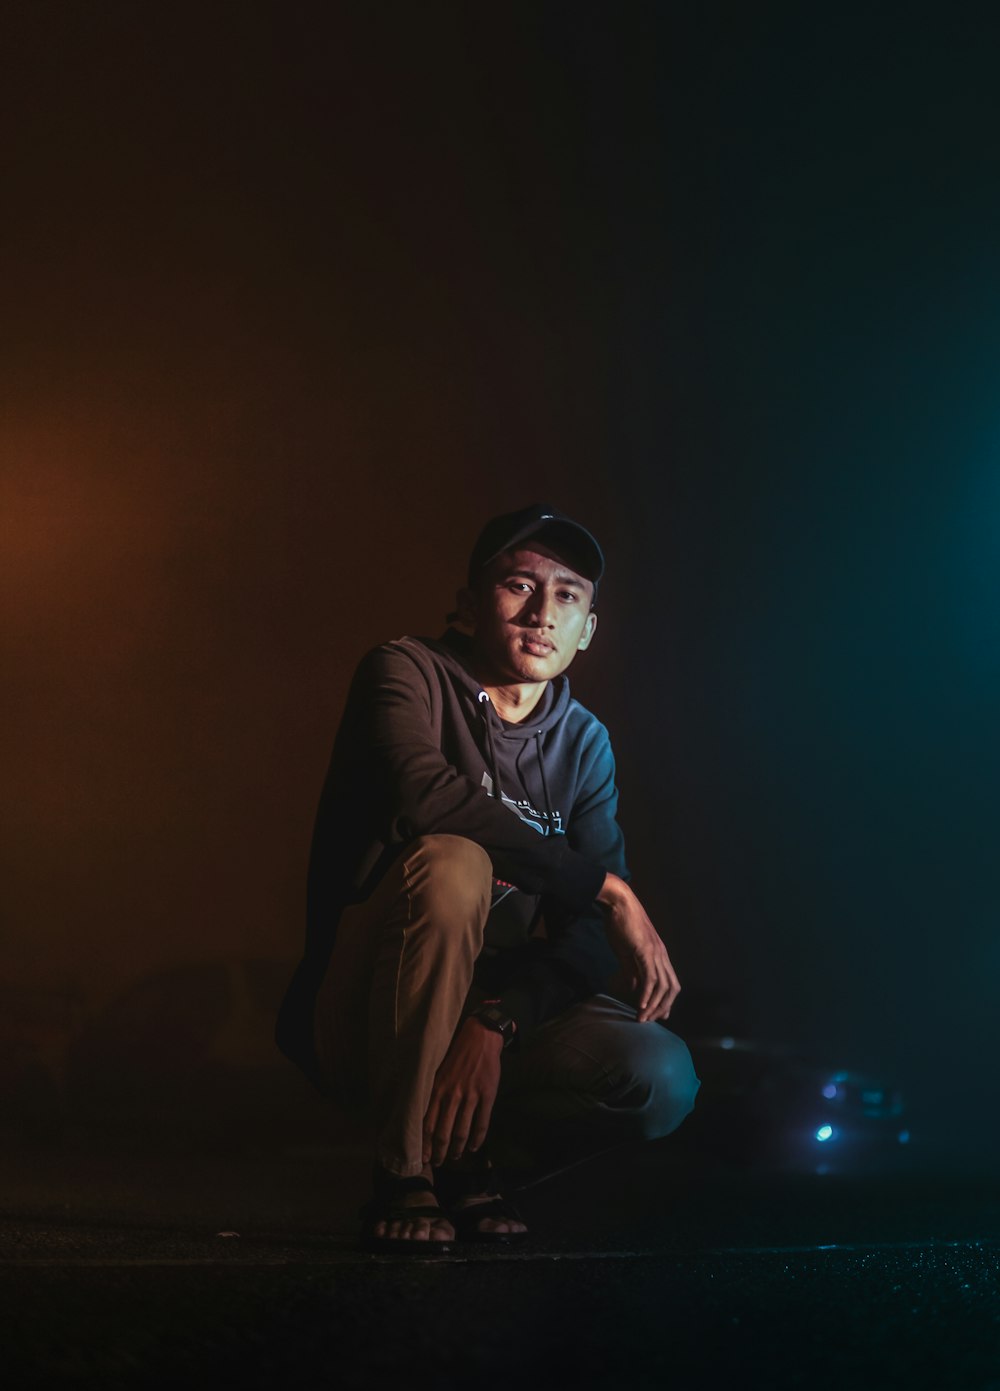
{"x":404,"y":1215}
{"x":499,"y":1220}
{"x":479,"y":1211}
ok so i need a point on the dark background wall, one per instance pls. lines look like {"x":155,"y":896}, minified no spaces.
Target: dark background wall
{"x":297,"y":295}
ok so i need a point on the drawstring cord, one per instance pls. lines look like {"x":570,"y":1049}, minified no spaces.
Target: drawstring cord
{"x":484,"y":704}
{"x":545,"y":786}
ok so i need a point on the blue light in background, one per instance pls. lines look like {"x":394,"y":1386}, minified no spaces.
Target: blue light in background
{"x":825,"y":1132}
{"x":903,"y":1137}
{"x":830,"y":1091}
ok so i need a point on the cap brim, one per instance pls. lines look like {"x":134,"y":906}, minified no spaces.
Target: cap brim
{"x":583,"y":552}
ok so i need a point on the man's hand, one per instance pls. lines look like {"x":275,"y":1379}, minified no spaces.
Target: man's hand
{"x":465,"y":1089}
{"x":638,"y":947}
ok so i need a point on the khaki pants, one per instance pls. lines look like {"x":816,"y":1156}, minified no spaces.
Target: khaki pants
{"x":399,"y":980}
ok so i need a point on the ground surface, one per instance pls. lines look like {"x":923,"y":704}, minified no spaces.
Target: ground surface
{"x":641,"y":1272}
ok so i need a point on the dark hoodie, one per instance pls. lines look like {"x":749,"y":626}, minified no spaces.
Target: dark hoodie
{"x":420,"y":750}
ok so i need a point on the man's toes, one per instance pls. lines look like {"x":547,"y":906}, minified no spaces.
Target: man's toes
{"x":503,"y":1226}
{"x":404,"y":1228}
{"x":426,"y":1229}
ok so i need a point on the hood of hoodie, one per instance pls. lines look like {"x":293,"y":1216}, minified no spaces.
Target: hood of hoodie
{"x":515,"y":754}
{"x":455,"y":650}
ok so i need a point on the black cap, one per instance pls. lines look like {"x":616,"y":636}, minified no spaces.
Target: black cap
{"x":543,"y":523}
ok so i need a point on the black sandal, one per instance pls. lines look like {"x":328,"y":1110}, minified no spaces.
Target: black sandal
{"x":455,"y":1184}
{"x":384,"y":1206}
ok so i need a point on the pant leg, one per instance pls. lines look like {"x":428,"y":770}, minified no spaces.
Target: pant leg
{"x":586,"y":1081}
{"x":398,"y":978}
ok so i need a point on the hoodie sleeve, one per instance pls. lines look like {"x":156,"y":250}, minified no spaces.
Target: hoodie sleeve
{"x":576,"y":961}
{"x":390,"y":726}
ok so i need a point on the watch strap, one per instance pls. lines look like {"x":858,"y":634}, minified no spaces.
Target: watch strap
{"x":491,"y":1016}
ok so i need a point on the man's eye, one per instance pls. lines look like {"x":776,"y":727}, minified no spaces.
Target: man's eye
{"x":568,"y":594}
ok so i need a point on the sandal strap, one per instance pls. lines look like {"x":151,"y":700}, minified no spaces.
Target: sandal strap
{"x":374,"y":1211}
{"x":388,"y":1186}
{"x":466,"y":1219}
{"x":452,"y":1184}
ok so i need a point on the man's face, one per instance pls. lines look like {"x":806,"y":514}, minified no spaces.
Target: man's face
{"x":531,"y":616}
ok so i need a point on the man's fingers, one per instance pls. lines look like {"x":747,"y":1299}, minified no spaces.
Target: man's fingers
{"x":643,"y":956}
{"x":462,"y":1096}
{"x":443,"y":1130}
{"x":664,"y":995}
{"x":653,"y":981}
{"x":661,"y":1010}
{"x":461,"y":1131}
{"x":653,"y":998}
{"x":646,"y":976}
{"x":660,"y":991}
{"x":484,"y":1115}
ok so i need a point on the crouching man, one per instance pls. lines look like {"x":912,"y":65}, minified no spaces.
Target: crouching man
{"x":479,"y":976}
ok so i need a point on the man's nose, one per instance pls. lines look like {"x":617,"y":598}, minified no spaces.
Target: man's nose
{"x":542,"y":608}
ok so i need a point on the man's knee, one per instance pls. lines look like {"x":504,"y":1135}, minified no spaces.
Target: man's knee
{"x":452,"y":874}
{"x":661,"y":1079}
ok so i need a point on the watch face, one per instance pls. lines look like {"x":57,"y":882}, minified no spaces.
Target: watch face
{"x":496,"y":1019}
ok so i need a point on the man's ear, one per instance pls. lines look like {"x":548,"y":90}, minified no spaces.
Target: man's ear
{"x":465,"y":605}
{"x":589,"y":629}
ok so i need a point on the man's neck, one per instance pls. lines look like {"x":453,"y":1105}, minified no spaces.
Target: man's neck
{"x":515,"y":703}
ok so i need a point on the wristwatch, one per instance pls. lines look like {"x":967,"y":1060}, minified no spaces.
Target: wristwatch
{"x":492,"y":1017}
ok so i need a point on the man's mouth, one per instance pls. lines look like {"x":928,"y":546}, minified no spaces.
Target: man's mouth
{"x":539,"y":647}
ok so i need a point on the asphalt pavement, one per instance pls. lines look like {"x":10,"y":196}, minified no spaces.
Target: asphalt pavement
{"x":132,"y":1269}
